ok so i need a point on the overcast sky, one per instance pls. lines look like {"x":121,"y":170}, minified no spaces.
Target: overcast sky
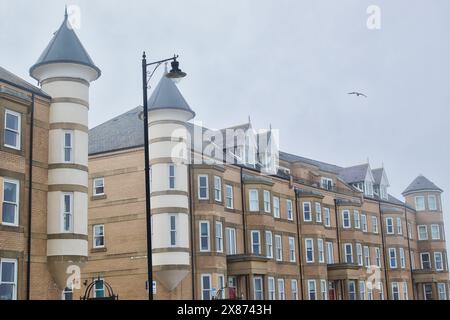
{"x":288,"y":63}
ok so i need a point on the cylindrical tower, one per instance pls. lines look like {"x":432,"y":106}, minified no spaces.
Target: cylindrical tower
{"x":168,"y":114}
{"x":65,"y":71}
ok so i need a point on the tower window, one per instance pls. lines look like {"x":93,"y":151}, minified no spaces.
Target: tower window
{"x":432,"y":204}
{"x":67,"y":205}
{"x":171,"y":176}
{"x":68,"y":146}
{"x":173,"y":230}
{"x":420,"y":203}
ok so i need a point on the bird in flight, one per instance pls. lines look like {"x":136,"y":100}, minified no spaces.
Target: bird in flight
{"x":358,"y":94}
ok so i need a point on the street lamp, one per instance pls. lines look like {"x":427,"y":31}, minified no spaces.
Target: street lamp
{"x":175,"y":73}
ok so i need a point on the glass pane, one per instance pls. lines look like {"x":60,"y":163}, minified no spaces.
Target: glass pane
{"x":11,"y":138}
{"x":67,"y":154}
{"x":12,"y":122}
{"x":99,"y":241}
{"x":10,"y":192}
{"x":206,"y":283}
{"x":67,"y":222}
{"x":67,"y":203}
{"x":204,"y":243}
{"x":67,"y":140}
{"x":204,"y":229}
{"x":6,"y":291}
{"x":9,"y":213}
{"x":8,"y":270}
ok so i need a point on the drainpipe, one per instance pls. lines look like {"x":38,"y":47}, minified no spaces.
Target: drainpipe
{"x":30,"y":198}
{"x":244,"y":227}
{"x":338,"y":236}
{"x":409,"y":252}
{"x":383,"y":245}
{"x":191,"y":204}
{"x":299,"y":244}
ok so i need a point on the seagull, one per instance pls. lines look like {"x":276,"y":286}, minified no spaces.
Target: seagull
{"x":358,"y":94}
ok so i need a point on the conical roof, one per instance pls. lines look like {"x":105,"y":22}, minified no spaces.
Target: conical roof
{"x":167,"y":96}
{"x":421,"y":184}
{"x":65,"y":47}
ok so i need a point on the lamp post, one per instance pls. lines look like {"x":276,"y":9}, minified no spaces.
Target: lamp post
{"x":174,"y":73}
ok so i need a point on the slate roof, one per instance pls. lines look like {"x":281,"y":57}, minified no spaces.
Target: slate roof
{"x":321,"y":165}
{"x":12,"y":79}
{"x":377,"y":175}
{"x":65,"y":47}
{"x":167,"y":96}
{"x":354,"y":174}
{"x":421,"y":183}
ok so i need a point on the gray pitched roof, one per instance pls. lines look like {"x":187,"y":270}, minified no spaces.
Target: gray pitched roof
{"x":122,"y":132}
{"x":321,"y":165}
{"x":65,"y":47}
{"x":14,"y":80}
{"x":354,"y":174}
{"x":167,"y":96}
{"x":421,"y":183}
{"x":377,"y":175}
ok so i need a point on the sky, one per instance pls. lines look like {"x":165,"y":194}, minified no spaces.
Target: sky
{"x":289,"y":64}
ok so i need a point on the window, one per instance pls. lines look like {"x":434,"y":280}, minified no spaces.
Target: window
{"x":402,"y":258}
{"x":99,"y":186}
{"x":442,"y":292}
{"x":420,"y":203}
{"x":351,"y":290}
{"x":281,"y":294}
{"x":378,"y":257}
{"x":438,"y":261}
{"x":326,"y":217}
{"x":412,"y":260}
{"x":423,"y":232}
{"x":346,"y":219}
{"x":292,"y":249}
{"x":330,"y":255}
{"x":399,"y":225}
{"x":381,"y":290}
{"x":269,"y":245}
{"x":217,"y":189}
{"x":221,"y":285}
{"x":428,"y":291}
{"x":173,"y":230}
{"x":356,"y":219}
{"x":253,"y":198}
{"x":231,"y":241}
{"x":326,"y":183}
{"x":12,"y":130}
{"x":410,"y":231}
{"x":68,"y":146}
{"x":383,"y":192}
{"x":204,"y":235}
{"x":368,"y":188}
{"x":266,"y":195}
{"x":320,"y":250}
{"x":294,"y":289}
{"x":374,"y":224}
{"x":290,"y":213}
{"x":276,"y":207}
{"x":307,"y":211}
{"x":432,"y":204}
{"x":312,"y":289}
{"x":323,"y":290}
{"x":99,"y":236}
{"x":309,"y":245}
{"x":425,"y":260}
{"x":369,"y":291}
{"x":8,"y":279}
{"x":219,"y":236}
{"x":366,"y":256}
{"x":395,"y":291}
{"x":271,"y":287}
{"x":258,"y":288}
{"x":67,"y":294}
{"x":171,"y":176}
{"x":256,"y":243}
{"x":364,"y":222}
{"x":10,"y":210}
{"x":359,"y":254}
{"x":203,"y":192}
{"x":67,"y":214}
{"x":435,"y":233}
{"x":318,"y":212}
{"x":206,"y":287}
{"x":348,"y":253}
{"x":392,"y":258}
{"x":405,"y":290}
{"x":362,"y":290}
{"x":278,"y":248}
{"x":390,"y":225}
{"x":99,"y":288}
{"x":229,"y":202}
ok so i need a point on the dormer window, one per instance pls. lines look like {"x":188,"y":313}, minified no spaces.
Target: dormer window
{"x":326,"y":183}
{"x":359,"y":186}
{"x":368,"y":188}
{"x":383,"y":193}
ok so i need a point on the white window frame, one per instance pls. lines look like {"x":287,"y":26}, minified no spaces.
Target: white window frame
{"x":208,"y":236}
{"x":266,"y":201}
{"x":438,"y":232}
{"x":219,"y":236}
{"x":281,"y":289}
{"x":391,"y":225}
{"x":356,"y":219}
{"x":259,"y":292}
{"x":402,"y":258}
{"x":171,"y":177}
{"x":348,"y":245}
{"x":276,"y":207}
{"x":420,"y":235}
{"x":253,"y":200}
{"x":269,"y":244}
{"x":364,"y":222}
{"x":292,"y":251}
{"x":18,"y":132}
{"x":435,"y":208}
{"x":422,"y":260}
{"x":320,"y":251}
{"x":326,"y":217}
{"x":405,"y":290}
{"x":278,"y":248}
{"x":378,"y":257}
{"x":422,"y":207}
{"x":94,"y":186}
{"x":71,"y":133}
{"x":330,"y":252}
{"x":435,"y":255}
{"x":312,"y":289}
{"x":309,"y":211}
{"x":64,"y":213}
{"x":271,"y":288}
{"x":229,"y":203}
{"x":230,"y":234}
{"x":374,"y":224}
{"x":221,"y":285}
{"x":351,"y":285}
{"x":309,"y":248}
{"x":395,"y":291}
{"x":97,"y":290}
{"x":200,"y":187}
{"x":323,"y":289}
{"x":326,"y":183}
{"x":425,"y":292}
{"x":173,"y":230}
{"x":289,"y":210}
{"x":442,"y":291}
{"x":362,"y":290}
{"x":366,"y":253}
{"x":359,"y":254}
{"x":16,"y":203}
{"x":253,"y":242}
{"x":13,"y":261}
{"x":318,"y":209}
{"x":294,"y":289}
{"x":94,"y":236}
{"x":410,"y":231}
{"x":399,"y":226}
{"x":203,"y":289}
{"x":390,"y":250}
{"x":217,"y":189}
{"x":346,"y":217}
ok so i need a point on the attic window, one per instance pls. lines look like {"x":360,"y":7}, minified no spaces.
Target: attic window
{"x":326,"y":183}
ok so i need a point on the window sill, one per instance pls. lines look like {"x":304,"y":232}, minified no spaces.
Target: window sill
{"x":9,"y":228}
{"x":99,"y":197}
{"x":97,"y":250}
